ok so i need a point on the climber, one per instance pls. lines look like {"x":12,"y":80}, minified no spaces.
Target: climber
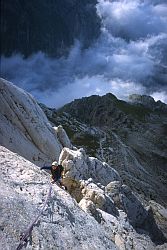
{"x":56,"y":173}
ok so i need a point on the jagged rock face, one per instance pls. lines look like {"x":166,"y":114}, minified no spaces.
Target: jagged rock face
{"x":63,"y":225}
{"x":148,"y":102}
{"x":160,"y":214}
{"x":94,"y":110}
{"x":24,"y":127}
{"x":131,"y":137}
{"x":108,"y":214}
{"x":63,"y":138}
{"x":125,"y":199}
{"x":105,"y":192}
{"x":57,"y":23}
{"x":79,"y":166}
{"x":142,"y":99}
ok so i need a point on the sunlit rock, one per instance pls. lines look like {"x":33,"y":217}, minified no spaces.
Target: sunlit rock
{"x":24,"y":127}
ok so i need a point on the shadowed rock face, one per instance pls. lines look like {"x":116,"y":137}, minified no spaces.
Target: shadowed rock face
{"x":98,"y":186}
{"x":48,"y":26}
{"x":130,"y":136}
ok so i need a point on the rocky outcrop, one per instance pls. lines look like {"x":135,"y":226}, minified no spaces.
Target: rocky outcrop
{"x":63,"y":225}
{"x":63,"y":138}
{"x":100,"y":189}
{"x":79,"y":166}
{"x":98,"y":212}
{"x":25,"y":129}
{"x":96,"y":223}
{"x":130,"y":136}
{"x":148,"y":102}
{"x":145,"y":100}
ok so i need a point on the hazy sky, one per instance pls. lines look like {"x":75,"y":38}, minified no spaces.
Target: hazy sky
{"x":129,"y":57}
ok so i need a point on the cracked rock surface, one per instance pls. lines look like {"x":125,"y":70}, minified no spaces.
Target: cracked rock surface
{"x":63,"y":225}
{"x":98,"y":212}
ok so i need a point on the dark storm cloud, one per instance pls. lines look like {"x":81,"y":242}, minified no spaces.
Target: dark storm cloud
{"x":129,"y":57}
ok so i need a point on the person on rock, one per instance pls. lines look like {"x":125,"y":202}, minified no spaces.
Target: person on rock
{"x":56,"y":173}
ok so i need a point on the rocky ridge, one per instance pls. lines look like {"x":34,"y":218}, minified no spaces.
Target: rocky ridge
{"x":98,"y":212}
{"x":131,"y":137}
{"x":96,"y":222}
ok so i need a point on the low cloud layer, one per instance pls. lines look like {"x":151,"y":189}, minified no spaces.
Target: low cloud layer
{"x":129,"y":57}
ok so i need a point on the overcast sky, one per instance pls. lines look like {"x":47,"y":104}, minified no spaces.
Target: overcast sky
{"x":129,"y":57}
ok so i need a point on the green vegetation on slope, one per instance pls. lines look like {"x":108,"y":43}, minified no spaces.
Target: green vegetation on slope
{"x":138,"y":112}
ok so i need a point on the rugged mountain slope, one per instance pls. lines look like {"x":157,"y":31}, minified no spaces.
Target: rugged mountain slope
{"x":129,"y":136}
{"x":98,"y":212}
{"x":57,"y":23}
{"x":63,"y":224}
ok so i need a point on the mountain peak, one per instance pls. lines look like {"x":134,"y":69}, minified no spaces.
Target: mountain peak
{"x":111,"y":96}
{"x":147,"y":101}
{"x":143,"y":99}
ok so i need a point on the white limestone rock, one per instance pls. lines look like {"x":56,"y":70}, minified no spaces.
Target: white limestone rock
{"x":24,"y":127}
{"x":63,"y":225}
{"x":113,"y":190}
{"x":99,"y":188}
{"x":79,"y":166}
{"x":96,"y":203}
{"x":89,"y":207}
{"x":90,"y":191}
{"x":126,"y":200}
{"x":63,"y":137}
{"x":132,"y":206}
{"x":123,"y":234}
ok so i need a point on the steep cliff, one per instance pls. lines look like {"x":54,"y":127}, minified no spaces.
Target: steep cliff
{"x":98,"y":211}
{"x":24,"y":127}
{"x":131,"y":136}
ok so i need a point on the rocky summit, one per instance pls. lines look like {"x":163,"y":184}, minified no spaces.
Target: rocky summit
{"x":105,"y":205}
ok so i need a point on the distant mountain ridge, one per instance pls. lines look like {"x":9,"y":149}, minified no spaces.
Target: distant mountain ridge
{"x":148,"y":101}
{"x":130,"y":135}
{"x":99,"y":110}
{"x":98,"y":211}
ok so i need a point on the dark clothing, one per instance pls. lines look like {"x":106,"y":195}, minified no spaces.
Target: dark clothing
{"x":56,"y":173}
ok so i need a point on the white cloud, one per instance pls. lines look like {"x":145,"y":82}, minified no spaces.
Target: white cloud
{"x":95,"y":85}
{"x":160,"y":96}
{"x":133,"y":19}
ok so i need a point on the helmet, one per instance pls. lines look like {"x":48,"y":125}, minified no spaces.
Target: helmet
{"x":54,"y":163}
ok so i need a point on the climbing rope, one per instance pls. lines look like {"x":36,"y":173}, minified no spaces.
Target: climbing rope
{"x":27,"y":233}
